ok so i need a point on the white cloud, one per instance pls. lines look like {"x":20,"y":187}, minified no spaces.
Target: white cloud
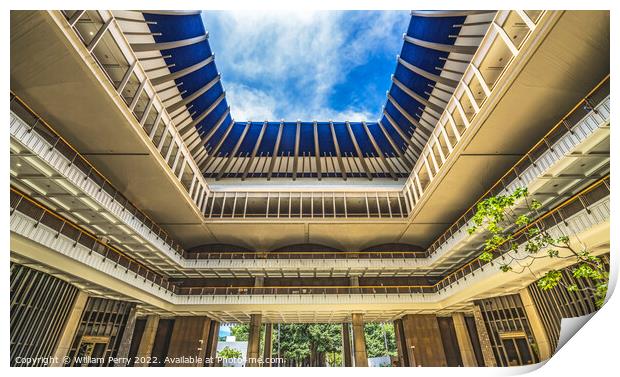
{"x":297,"y":57}
{"x":250,"y":104}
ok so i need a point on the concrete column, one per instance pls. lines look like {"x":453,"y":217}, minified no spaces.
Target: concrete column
{"x":354,"y":281}
{"x":346,"y":345}
{"x":462,"y":336}
{"x":146,"y":342}
{"x":423,"y":340}
{"x":123,"y":349}
{"x":212,"y":345}
{"x":403,"y":361}
{"x":259,"y":281}
{"x":188,"y":340}
{"x":69,"y":328}
{"x":483,"y":338}
{"x":538,"y":329}
{"x":268,"y":345}
{"x":254,"y":341}
{"x":359,"y":341}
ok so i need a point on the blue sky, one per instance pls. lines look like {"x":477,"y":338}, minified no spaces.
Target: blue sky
{"x":224,"y":331}
{"x":306,"y":65}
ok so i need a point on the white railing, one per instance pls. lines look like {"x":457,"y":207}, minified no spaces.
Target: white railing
{"x":550,"y":153}
{"x":469,"y":98}
{"x":145,"y":103}
{"x":28,"y":227}
{"x":475,"y":86}
{"x":64,"y":166}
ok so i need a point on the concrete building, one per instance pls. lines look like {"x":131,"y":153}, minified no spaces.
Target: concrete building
{"x":143,"y":216}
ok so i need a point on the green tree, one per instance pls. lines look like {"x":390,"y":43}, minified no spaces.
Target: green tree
{"x":310,"y":344}
{"x":511,"y":220}
{"x":324,"y":338}
{"x":377,"y":335}
{"x":229,"y":353}
{"x":294,"y":343}
{"x":240,"y":332}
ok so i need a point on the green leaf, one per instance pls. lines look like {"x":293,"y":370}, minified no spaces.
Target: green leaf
{"x":600,"y":294}
{"x":584,"y":270}
{"x":505,"y":268}
{"x":522,"y":220}
{"x":486,"y":256}
{"x":550,"y":280}
{"x":553,"y":253}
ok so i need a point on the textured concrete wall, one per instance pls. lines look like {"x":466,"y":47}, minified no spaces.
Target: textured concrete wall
{"x":423,"y":340}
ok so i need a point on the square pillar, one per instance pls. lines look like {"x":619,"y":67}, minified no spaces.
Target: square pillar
{"x":483,"y":337}
{"x":214,"y":334}
{"x":423,"y":340}
{"x":146,"y":342}
{"x":69,"y":329}
{"x":268,"y":345}
{"x":536,"y":324}
{"x":123,"y":349}
{"x":346,"y":345}
{"x":253,"y":352}
{"x":401,"y":345}
{"x":462,"y":336}
{"x":188,"y":341}
{"x":359,"y":340}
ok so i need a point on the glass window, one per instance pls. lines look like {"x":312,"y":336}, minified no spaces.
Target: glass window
{"x":140,"y":107}
{"x":88,"y":25}
{"x":173,"y":154}
{"x":130,"y":89}
{"x":69,"y":13}
{"x":149,"y":123}
{"x":524,"y":351}
{"x":111,"y":59}
{"x":159,"y":133}
{"x":166,"y":145}
{"x":177,"y":171}
{"x":511,"y":352}
{"x":187,"y":178}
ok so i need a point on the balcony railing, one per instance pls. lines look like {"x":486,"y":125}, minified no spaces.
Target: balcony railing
{"x":594,"y":102}
{"x":473,"y":91}
{"x":504,"y":39}
{"x":23,"y":204}
{"x":131,"y":82}
{"x":583,"y":201}
{"x":41,"y":128}
{"x":106,"y":43}
{"x":559,"y":215}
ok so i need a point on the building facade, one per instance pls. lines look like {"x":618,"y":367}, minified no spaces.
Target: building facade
{"x":143,"y":217}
